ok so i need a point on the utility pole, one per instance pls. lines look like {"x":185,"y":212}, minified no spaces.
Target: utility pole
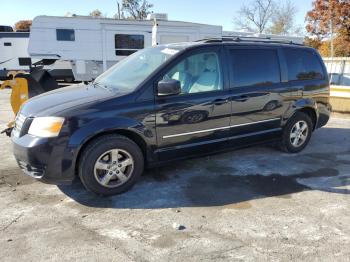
{"x":332,"y":41}
{"x":118,"y":10}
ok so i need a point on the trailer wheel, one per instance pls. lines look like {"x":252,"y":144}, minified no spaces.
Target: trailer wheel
{"x":69,"y":80}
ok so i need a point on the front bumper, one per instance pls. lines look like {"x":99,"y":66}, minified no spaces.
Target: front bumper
{"x":43,"y":159}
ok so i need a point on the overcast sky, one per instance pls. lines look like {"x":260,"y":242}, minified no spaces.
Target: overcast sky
{"x":219,"y":12}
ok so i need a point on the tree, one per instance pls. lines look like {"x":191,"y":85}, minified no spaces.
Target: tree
{"x":137,"y":9}
{"x":256,"y":15}
{"x":96,"y":13}
{"x":326,"y":13}
{"x":341,"y":47}
{"x":23,"y":25}
{"x":283,"y":19}
{"x":69,"y":14}
{"x":313,"y":42}
{"x":329,"y":16}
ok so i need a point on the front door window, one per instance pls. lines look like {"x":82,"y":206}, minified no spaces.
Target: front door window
{"x":198,"y":73}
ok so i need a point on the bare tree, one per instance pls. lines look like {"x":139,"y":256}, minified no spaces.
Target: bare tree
{"x":96,"y":13}
{"x":256,"y":15}
{"x":283,"y":19}
{"x":137,"y":9}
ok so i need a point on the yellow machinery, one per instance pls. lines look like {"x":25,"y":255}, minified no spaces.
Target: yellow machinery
{"x":19,"y":93}
{"x":25,"y":86}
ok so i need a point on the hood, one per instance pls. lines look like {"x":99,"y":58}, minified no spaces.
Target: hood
{"x":51,"y":103}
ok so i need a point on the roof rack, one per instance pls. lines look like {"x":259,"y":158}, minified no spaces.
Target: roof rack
{"x":248,"y":39}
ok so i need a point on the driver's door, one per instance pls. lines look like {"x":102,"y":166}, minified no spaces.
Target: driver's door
{"x":200,"y":115}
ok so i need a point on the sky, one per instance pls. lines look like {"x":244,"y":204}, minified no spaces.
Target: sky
{"x":219,"y":12}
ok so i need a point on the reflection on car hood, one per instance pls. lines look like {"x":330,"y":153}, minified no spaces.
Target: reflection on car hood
{"x":61,"y":99}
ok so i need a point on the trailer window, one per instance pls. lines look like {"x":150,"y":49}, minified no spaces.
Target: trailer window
{"x":65,"y":35}
{"x":126,"y":45}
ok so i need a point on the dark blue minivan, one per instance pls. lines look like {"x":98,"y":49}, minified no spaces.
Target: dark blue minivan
{"x":173,"y":102}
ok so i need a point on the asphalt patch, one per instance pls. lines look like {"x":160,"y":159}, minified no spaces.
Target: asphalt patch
{"x":230,"y":189}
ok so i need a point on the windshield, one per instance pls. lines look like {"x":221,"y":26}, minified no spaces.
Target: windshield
{"x":128,"y":74}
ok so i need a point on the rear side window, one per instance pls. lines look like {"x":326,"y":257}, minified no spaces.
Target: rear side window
{"x":303,"y":65}
{"x":65,"y":35}
{"x":128,"y":44}
{"x":255,"y":67}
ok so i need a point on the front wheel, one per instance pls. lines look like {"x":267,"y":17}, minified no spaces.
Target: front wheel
{"x":297,"y":133}
{"x":111,"y":165}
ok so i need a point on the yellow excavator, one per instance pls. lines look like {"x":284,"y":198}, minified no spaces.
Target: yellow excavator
{"x":25,"y":86}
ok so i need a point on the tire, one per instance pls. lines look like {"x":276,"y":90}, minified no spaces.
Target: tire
{"x":69,"y":80}
{"x":100,"y":166}
{"x":294,"y":141}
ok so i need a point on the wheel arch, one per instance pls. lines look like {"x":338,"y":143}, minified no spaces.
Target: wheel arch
{"x":311,"y":112}
{"x":306,"y":106}
{"x":133,"y":136}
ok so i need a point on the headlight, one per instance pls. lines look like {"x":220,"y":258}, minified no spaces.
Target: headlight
{"x":46,"y":126}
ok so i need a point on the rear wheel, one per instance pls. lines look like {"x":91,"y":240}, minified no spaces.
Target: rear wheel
{"x":297,"y":133}
{"x":111,"y":165}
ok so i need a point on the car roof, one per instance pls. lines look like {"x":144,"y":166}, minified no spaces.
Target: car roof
{"x":239,"y":42}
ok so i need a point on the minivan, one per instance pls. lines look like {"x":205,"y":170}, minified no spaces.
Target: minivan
{"x":173,"y":102}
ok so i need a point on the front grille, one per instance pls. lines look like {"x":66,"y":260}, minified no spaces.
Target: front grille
{"x":20,"y":119}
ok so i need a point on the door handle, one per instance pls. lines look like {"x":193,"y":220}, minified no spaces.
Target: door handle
{"x":242,"y":98}
{"x":220,"y":101}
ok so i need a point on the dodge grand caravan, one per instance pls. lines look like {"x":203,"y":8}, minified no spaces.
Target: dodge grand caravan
{"x":172,"y":102}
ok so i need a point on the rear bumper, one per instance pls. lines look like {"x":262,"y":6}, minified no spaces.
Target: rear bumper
{"x":43,"y":159}
{"x":324,"y":111}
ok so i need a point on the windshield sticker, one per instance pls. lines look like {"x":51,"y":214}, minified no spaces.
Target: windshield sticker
{"x":169,"y":51}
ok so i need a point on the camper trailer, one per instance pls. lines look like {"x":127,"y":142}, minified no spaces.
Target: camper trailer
{"x":14,"y":57}
{"x":93,"y":45}
{"x":13,"y":47}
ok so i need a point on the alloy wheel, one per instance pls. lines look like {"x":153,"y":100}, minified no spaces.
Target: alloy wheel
{"x":299,"y":133}
{"x":114,"y":168}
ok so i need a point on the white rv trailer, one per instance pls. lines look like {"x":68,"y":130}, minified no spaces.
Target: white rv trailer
{"x":92,"y":45}
{"x":14,"y":49}
{"x":13,"y":45}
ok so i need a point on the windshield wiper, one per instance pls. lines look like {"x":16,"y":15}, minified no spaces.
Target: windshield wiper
{"x":100,"y":85}
{"x":97,"y":84}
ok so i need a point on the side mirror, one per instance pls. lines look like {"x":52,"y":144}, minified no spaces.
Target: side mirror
{"x":169,"y":87}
